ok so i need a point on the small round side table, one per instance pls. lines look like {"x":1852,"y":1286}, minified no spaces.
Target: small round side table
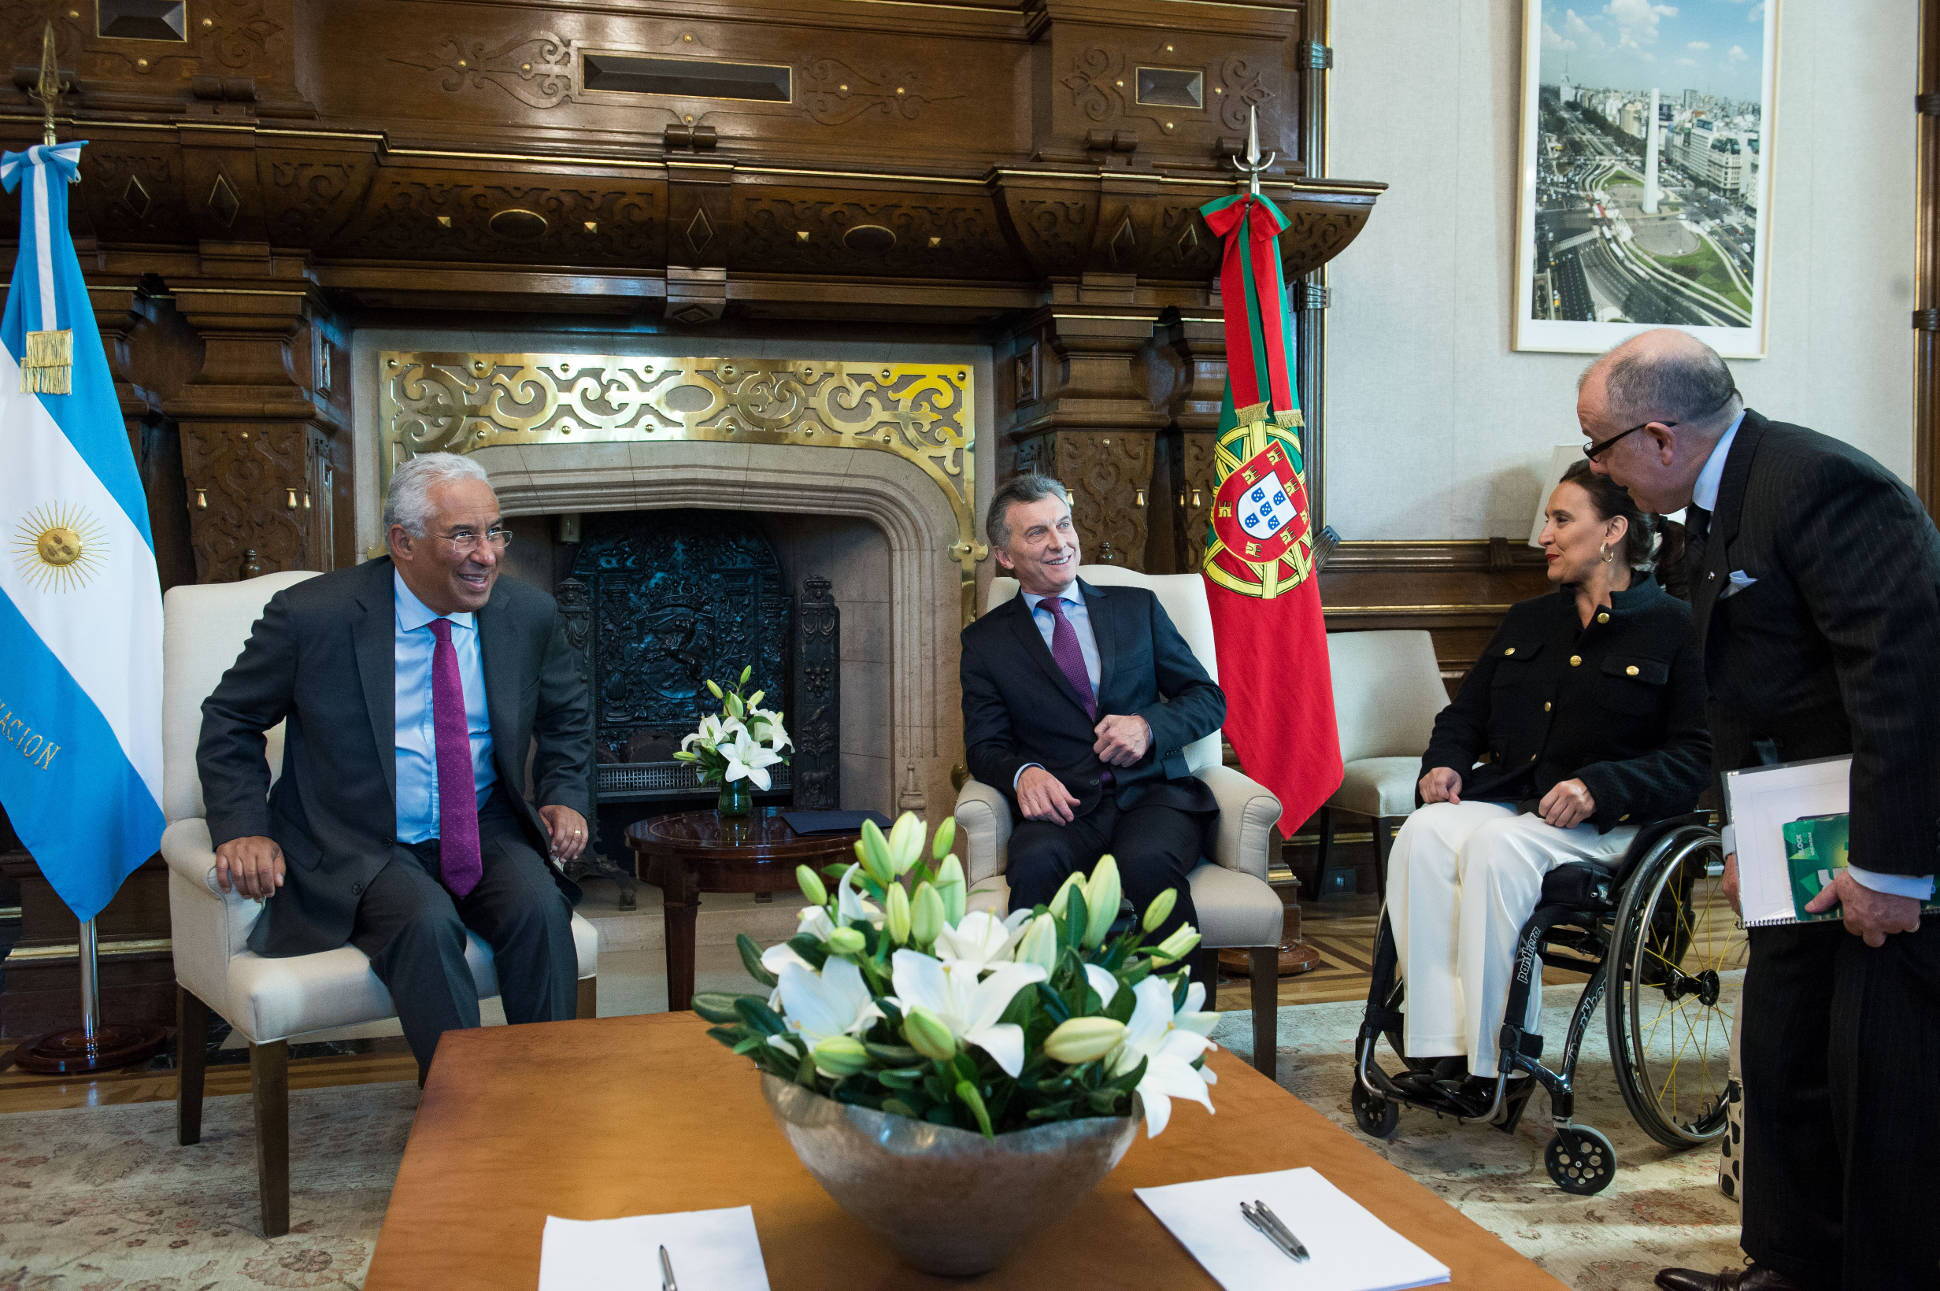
{"x":702,"y":851}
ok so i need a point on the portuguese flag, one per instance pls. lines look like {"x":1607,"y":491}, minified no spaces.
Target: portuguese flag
{"x":1259,"y":562}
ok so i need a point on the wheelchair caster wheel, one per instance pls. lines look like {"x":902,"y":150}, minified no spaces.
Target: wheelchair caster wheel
{"x":1580,"y":1160}
{"x":1376,"y":1116}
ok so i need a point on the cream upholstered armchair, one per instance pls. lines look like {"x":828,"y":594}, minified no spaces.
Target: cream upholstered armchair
{"x":266,"y":1001}
{"x":1387,"y":692}
{"x":1236,"y":906}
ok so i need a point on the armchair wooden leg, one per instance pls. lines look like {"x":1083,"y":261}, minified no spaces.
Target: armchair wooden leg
{"x":1266,"y":1009}
{"x":269,"y":1086}
{"x":1321,"y":850}
{"x":1383,"y":841}
{"x":589,"y":998}
{"x":191,"y":1058}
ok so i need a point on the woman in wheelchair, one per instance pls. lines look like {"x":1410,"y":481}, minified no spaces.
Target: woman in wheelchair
{"x":1583,"y":719}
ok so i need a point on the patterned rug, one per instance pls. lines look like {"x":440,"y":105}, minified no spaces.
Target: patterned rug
{"x":103,"y":1199}
{"x":1663,"y":1207}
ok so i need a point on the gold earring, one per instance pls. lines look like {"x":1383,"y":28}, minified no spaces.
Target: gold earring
{"x":1604,"y":552}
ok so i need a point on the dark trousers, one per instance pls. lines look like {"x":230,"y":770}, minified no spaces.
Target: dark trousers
{"x":1155,"y":847}
{"x":1841,"y":1059}
{"x":413,"y":929}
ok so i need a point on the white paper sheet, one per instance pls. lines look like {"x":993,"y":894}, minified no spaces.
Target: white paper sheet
{"x":1349,"y":1249}
{"x":711,"y":1250}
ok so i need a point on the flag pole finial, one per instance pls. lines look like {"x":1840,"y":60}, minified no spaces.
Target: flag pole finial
{"x":1253,"y":165}
{"x":48,"y":88}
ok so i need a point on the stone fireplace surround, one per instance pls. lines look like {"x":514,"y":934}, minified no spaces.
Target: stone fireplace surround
{"x":920,"y":739}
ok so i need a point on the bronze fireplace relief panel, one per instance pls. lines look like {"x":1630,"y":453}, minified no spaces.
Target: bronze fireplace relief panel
{"x":924,"y":413}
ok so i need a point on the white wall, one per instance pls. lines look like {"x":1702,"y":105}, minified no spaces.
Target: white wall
{"x":1425,"y":95}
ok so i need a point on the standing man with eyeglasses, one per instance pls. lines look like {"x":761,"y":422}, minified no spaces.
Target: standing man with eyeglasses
{"x":1816,"y":596}
{"x":412,"y":688}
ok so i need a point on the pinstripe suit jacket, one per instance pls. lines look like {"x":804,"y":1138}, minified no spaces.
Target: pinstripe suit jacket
{"x":1833,"y":649}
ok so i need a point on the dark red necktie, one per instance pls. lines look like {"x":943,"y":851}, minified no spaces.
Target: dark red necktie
{"x":1069,"y":655}
{"x":458,"y":854}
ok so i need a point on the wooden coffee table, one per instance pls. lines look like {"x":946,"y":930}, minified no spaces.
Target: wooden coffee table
{"x":702,"y":851}
{"x":600,"y":1118}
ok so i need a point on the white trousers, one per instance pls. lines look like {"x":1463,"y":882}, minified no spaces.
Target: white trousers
{"x":1462,"y":880}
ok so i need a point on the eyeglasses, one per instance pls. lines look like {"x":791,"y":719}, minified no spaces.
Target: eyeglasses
{"x":469,"y":539}
{"x":1596,"y":450}
{"x":1593,"y":451}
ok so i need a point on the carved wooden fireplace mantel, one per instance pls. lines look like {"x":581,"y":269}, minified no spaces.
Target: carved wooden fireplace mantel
{"x":1021,"y":173}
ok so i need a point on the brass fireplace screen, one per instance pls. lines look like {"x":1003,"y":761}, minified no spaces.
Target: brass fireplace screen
{"x":923,"y":413}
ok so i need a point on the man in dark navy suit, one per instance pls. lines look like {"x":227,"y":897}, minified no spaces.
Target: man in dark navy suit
{"x":1078,"y":703}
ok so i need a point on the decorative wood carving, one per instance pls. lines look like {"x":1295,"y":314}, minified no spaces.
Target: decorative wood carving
{"x":536,"y":70}
{"x":240,"y":479}
{"x":835,"y":94}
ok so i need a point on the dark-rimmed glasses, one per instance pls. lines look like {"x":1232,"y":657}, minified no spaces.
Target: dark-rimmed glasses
{"x":1596,"y":450}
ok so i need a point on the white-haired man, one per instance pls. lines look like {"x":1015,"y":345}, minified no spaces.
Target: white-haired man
{"x":412,"y":688}
{"x":1816,"y":597}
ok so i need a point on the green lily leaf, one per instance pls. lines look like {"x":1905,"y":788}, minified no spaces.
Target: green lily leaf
{"x":751,"y":960}
{"x":758,"y":1015}
{"x":715,"y":1006}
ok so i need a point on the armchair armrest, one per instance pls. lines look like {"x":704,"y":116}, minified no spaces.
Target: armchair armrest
{"x":983,"y":824}
{"x":207,"y":926}
{"x":1247,"y":814}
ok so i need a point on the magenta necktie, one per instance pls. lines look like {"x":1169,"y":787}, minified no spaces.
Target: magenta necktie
{"x":1069,"y":655}
{"x":458,"y":854}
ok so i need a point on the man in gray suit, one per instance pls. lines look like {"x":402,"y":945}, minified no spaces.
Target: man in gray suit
{"x":1816,"y":598}
{"x":413,"y":687}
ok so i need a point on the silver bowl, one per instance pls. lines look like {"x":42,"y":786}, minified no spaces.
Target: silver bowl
{"x":950,"y":1201}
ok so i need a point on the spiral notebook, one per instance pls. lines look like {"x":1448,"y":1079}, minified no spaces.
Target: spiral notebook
{"x":1792,"y":830}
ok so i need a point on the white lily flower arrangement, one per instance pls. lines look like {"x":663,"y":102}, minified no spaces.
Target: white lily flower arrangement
{"x":740,"y":742}
{"x":892,"y":996}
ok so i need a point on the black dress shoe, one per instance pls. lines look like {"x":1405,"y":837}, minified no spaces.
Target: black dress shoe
{"x":1468,"y":1098}
{"x":1753,"y":1278}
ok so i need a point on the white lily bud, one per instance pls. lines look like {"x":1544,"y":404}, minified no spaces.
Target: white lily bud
{"x":1160,"y":910}
{"x":1103,"y":892}
{"x":905,"y":843}
{"x":896,"y":913}
{"x":1061,"y":899}
{"x":1039,"y":944}
{"x":927,"y":915}
{"x":1077,"y":1040}
{"x":954,"y":888}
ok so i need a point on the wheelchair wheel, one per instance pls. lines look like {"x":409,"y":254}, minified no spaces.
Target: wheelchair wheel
{"x":1580,"y":1160}
{"x":1376,"y":1116}
{"x":1677,"y":957}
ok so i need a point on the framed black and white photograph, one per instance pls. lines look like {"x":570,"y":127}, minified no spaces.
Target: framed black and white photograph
{"x":1646,"y":174}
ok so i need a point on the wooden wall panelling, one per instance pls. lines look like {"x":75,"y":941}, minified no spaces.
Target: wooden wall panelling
{"x":1093,"y":426}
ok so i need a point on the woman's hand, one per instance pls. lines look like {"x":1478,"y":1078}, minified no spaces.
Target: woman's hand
{"x":1443,"y":784}
{"x":1568,"y":803}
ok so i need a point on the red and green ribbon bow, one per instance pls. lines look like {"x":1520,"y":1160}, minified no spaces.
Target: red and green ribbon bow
{"x":1259,"y":341}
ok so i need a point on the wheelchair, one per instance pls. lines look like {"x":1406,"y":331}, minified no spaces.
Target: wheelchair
{"x":1660,"y":947}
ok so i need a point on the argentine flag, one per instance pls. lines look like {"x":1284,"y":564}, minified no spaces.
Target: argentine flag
{"x":80,"y":604}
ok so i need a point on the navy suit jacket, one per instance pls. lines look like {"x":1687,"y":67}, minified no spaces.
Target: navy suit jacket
{"x":1018,"y":708}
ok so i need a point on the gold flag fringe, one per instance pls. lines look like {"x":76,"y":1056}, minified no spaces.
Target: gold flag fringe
{"x":48,"y":366}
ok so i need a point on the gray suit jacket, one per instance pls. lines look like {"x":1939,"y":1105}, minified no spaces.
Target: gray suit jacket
{"x":1832,"y":649}
{"x":321,"y":659}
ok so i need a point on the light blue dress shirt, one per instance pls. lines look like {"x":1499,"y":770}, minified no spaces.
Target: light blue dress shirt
{"x":1079,"y":616}
{"x":1705,"y":494}
{"x":417,"y":741}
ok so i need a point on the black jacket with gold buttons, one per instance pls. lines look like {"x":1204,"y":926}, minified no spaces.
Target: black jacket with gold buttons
{"x":1618,"y":704}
